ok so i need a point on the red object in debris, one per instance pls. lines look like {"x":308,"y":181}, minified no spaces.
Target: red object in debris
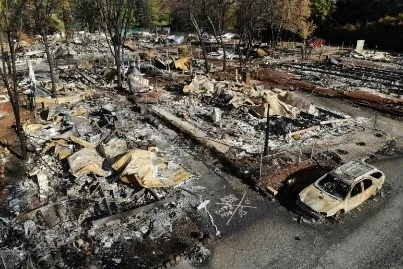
{"x":316,"y":42}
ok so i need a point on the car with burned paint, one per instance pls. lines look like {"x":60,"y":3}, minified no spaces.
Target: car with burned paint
{"x":315,"y":42}
{"x":341,"y":190}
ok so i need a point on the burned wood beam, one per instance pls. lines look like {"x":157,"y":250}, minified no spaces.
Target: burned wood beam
{"x":313,"y":128}
{"x":43,"y":102}
{"x":153,"y":193}
{"x":189,"y":191}
{"x":100,"y":222}
{"x":106,"y":139}
{"x":336,"y":121}
{"x":90,"y":80}
{"x":222,"y":151}
{"x":187,"y":128}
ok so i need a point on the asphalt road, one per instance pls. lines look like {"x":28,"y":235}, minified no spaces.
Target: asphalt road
{"x":269,"y":235}
{"x":367,"y":238}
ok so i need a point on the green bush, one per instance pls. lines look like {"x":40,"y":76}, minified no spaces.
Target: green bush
{"x":55,"y":24}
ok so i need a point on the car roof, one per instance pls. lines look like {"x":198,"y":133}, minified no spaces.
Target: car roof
{"x":353,"y":171}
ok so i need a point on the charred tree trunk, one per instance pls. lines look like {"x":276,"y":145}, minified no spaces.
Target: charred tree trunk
{"x":118,"y":64}
{"x":11,"y":13}
{"x":219,"y":41}
{"x":116,"y":17}
{"x":240,"y":52}
{"x":199,"y":35}
{"x":278,"y":37}
{"x":12,"y":90}
{"x":248,"y":49}
{"x":67,"y":28}
{"x":303,"y":49}
{"x":243,"y":61}
{"x":224,"y":61}
{"x":7,"y":60}
{"x":49,"y":57}
{"x":206,"y":64}
{"x":16,"y":107}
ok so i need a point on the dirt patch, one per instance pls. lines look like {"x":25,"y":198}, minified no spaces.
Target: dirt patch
{"x":8,"y":136}
{"x":14,"y":169}
{"x":274,"y":180}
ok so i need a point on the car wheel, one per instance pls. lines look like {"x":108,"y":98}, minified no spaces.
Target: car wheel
{"x":381,"y":193}
{"x":339,"y":215}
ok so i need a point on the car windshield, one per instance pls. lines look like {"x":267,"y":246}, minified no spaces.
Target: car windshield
{"x":334,"y":186}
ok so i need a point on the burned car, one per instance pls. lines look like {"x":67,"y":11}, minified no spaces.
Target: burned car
{"x":341,"y":190}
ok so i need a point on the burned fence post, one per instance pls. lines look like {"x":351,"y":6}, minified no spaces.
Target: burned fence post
{"x":260,"y":167}
{"x":266,"y":141}
{"x":300,"y":155}
{"x":313,"y":146}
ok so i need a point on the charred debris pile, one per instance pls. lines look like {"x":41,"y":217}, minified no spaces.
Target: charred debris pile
{"x":108,"y":166}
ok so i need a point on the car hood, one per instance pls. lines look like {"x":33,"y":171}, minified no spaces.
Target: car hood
{"x":318,"y":200}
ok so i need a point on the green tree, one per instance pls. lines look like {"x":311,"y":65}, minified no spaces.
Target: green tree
{"x":146,"y":13}
{"x":321,"y":10}
{"x":67,"y":17}
{"x":302,"y":23}
{"x":279,"y":14}
{"x":87,"y":15}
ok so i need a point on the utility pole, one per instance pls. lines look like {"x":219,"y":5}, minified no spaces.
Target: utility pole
{"x":266,"y":141}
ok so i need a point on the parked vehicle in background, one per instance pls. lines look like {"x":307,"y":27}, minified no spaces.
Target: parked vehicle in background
{"x":315,"y":42}
{"x":341,"y":190}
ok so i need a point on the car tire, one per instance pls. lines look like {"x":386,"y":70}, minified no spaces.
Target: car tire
{"x":379,"y":191}
{"x":339,"y":215}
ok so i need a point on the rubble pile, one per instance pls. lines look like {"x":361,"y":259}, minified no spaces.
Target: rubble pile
{"x":376,"y":56}
{"x":100,"y":176}
{"x":234,"y":117}
{"x":107,"y":168}
{"x":236,"y":114}
{"x":377,"y":80}
{"x":83,"y":44}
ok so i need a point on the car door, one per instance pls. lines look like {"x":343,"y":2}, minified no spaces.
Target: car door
{"x":355,"y":197}
{"x":368,"y":188}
